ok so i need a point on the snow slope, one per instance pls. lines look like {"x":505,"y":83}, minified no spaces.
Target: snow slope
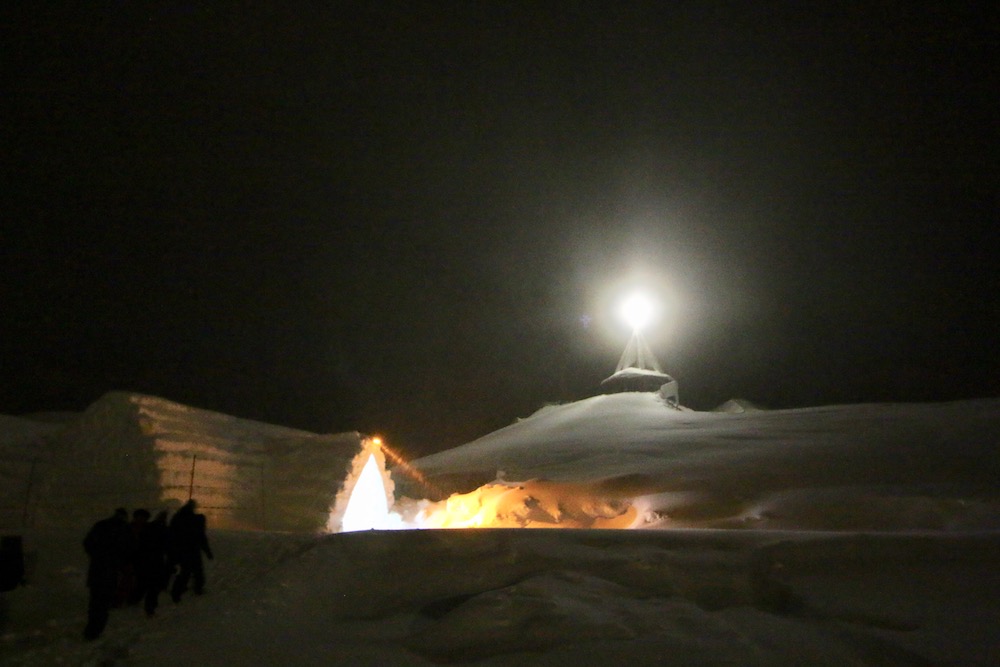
{"x":879,"y":466}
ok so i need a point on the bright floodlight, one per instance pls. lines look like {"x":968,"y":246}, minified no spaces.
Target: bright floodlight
{"x":637,"y":311}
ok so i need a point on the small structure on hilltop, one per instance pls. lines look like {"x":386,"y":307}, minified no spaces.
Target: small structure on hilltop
{"x":639,"y":370}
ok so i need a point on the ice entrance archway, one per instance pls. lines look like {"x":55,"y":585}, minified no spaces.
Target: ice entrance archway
{"x":367,"y":495}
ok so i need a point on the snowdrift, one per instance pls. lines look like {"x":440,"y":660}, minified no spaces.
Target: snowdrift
{"x":878,"y":466}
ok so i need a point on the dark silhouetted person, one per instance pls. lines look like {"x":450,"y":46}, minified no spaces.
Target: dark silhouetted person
{"x":127,"y":578}
{"x":11,"y":562}
{"x":11,"y":570}
{"x":188,"y":540}
{"x":108,"y":545}
{"x":150,"y":560}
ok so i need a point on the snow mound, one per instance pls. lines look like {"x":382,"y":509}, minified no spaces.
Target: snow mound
{"x":737,"y":405}
{"x":875,"y":466}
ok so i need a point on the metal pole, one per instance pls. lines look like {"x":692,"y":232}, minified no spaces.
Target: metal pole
{"x":194,"y":460}
{"x":263,"y":499}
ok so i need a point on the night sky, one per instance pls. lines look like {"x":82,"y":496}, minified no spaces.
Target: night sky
{"x":415,"y":218}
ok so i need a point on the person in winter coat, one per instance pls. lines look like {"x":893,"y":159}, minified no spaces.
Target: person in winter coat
{"x":150,"y":562}
{"x":127,"y":580}
{"x":108,"y":545}
{"x":188,"y":539}
{"x":11,"y":570}
{"x":11,"y":563}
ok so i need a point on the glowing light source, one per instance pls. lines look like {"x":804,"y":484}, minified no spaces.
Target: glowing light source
{"x":367,"y":507}
{"x":637,"y":310}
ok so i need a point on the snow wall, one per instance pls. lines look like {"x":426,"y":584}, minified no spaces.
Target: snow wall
{"x":133,"y":450}
{"x":23,"y":445}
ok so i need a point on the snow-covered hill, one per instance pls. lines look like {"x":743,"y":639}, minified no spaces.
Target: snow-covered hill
{"x":884,"y":466}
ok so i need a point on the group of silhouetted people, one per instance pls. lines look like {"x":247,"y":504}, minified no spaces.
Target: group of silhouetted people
{"x":132,"y":562}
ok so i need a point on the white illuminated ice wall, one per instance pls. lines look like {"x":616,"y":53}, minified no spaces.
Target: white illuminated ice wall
{"x":134,"y":450}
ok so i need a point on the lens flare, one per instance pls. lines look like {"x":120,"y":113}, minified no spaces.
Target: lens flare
{"x":405,"y":468}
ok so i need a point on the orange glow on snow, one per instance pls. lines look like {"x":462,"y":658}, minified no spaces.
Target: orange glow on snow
{"x":535,"y":504}
{"x":366,"y":501}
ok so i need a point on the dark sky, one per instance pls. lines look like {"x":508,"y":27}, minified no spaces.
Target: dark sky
{"x":414,"y":218}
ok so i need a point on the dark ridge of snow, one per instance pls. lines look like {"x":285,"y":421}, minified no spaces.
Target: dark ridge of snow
{"x":62,"y":417}
{"x":19,"y":431}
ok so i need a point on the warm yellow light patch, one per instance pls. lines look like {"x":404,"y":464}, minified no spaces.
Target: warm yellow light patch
{"x":535,"y":504}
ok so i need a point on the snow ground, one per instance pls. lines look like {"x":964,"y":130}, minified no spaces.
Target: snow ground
{"x":500,"y":597}
{"x":867,"y":535}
